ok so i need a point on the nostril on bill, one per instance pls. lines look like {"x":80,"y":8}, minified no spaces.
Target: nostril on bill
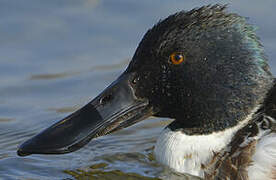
{"x":105,"y":99}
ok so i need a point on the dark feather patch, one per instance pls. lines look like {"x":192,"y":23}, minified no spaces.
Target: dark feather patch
{"x":232,"y":162}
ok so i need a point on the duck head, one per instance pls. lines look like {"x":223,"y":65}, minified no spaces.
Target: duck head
{"x":204,"y":68}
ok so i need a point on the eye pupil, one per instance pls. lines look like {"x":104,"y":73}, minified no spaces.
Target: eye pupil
{"x":178,"y":57}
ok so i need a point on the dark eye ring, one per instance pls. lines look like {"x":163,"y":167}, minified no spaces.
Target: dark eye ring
{"x":177,"y":58}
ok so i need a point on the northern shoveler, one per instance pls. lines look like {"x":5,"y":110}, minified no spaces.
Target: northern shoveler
{"x":207,"y":70}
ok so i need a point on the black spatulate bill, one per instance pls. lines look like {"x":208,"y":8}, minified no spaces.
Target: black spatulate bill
{"x":115,"y":108}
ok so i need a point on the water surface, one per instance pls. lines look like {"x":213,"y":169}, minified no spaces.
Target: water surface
{"x":55,"y":56}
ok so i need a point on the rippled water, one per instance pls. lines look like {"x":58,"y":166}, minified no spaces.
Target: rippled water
{"x":55,"y":56}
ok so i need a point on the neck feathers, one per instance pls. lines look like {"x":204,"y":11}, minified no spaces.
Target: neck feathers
{"x":189,"y":153}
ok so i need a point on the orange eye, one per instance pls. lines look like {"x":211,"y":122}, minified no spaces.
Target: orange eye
{"x":177,"y":58}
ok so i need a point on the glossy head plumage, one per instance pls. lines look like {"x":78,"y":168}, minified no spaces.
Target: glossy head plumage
{"x":224,"y":76}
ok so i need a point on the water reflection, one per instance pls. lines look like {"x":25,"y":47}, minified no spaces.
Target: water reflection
{"x":64,"y":109}
{"x":49,"y":76}
{"x":6,"y":119}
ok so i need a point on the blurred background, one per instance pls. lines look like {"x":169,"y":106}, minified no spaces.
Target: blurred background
{"x":55,"y":56}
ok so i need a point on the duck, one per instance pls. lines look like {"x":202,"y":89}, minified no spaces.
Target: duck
{"x":207,"y":70}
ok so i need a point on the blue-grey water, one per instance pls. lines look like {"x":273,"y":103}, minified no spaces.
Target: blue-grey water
{"x":55,"y":56}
